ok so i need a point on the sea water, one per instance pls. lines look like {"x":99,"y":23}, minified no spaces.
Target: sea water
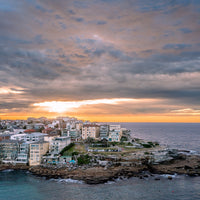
{"x":21,"y":185}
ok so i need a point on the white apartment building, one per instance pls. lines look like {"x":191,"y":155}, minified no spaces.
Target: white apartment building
{"x":115,"y":127}
{"x":115,"y":133}
{"x":58,"y":143}
{"x":32,"y":137}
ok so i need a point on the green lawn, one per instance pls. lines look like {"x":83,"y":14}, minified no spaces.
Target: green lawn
{"x":80,"y":148}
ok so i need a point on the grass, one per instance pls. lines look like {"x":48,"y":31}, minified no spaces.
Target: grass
{"x":80,"y":148}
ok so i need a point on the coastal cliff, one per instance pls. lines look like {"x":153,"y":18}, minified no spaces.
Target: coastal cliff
{"x":90,"y":174}
{"x":190,"y":165}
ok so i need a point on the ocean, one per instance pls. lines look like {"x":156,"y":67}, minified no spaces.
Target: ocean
{"x":20,"y":185}
{"x":173,"y":135}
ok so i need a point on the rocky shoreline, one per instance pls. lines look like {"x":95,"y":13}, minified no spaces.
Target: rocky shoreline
{"x":184,"y":164}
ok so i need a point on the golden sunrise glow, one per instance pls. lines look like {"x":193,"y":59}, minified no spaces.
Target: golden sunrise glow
{"x":110,"y":118}
{"x":186,"y":111}
{"x":63,"y":106}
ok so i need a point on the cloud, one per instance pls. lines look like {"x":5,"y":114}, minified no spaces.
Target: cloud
{"x":186,"y":111}
{"x":82,"y":50}
{"x":101,"y":22}
{"x":79,"y":19}
{"x":61,"y":106}
{"x":185,"y":30}
{"x":177,"y":46}
{"x":11,"y":90}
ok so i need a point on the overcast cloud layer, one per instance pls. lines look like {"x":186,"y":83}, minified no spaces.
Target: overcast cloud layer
{"x":73,"y":50}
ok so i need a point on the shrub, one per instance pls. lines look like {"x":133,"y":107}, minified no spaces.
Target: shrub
{"x":75,"y":153}
{"x":123,"y":138}
{"x":90,"y":140}
{"x":146,"y":145}
{"x":66,"y":148}
{"x":83,"y":159}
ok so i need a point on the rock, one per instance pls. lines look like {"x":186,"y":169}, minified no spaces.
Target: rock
{"x":169,"y":177}
{"x":187,"y":167}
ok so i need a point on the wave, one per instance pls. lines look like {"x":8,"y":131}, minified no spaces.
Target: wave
{"x":189,"y":152}
{"x":169,"y":175}
{"x":68,"y":180}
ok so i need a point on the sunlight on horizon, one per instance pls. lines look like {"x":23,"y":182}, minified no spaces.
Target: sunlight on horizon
{"x":63,"y":106}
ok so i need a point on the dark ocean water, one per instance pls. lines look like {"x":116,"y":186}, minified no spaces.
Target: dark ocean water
{"x":174,"y":135}
{"x":19,"y":185}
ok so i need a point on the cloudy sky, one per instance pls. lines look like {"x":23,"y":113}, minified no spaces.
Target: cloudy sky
{"x":103,"y":60}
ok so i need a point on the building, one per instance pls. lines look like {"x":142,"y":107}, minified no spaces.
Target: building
{"x":115,"y":133}
{"x":29,"y":126}
{"x":4,"y":137}
{"x":58,"y":143}
{"x":47,"y":130}
{"x":104,"y":131}
{"x":114,"y":136}
{"x":32,"y":137}
{"x":115,"y":127}
{"x":74,"y":133}
{"x":37,"y":150}
{"x":50,"y":138}
{"x":38,"y":126}
{"x":9,"y":150}
{"x":79,"y":126}
{"x":90,"y":130}
{"x":30,"y":131}
{"x":23,"y":154}
{"x":19,"y":137}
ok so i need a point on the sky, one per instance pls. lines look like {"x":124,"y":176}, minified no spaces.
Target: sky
{"x":100,"y":60}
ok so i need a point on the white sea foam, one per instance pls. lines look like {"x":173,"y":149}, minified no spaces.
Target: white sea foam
{"x":189,"y":152}
{"x":169,"y":175}
{"x":68,"y":180}
{"x":110,"y":182}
